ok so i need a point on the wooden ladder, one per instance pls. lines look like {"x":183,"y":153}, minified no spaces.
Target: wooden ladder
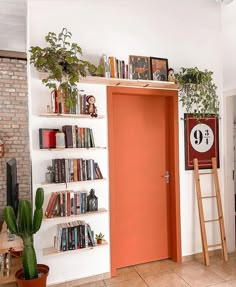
{"x":220,"y":218}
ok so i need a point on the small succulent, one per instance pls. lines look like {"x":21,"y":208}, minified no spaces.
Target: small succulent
{"x":99,"y":236}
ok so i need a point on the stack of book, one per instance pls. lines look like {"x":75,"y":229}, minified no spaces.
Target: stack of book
{"x":66,"y":203}
{"x":76,"y":137}
{"x":69,"y":170}
{"x":74,"y":235}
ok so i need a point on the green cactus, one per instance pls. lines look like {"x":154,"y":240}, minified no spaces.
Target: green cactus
{"x":25,"y":227}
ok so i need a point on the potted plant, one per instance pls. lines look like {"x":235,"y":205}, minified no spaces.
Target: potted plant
{"x":99,"y":237}
{"x":198,"y":92}
{"x":61,"y":60}
{"x":32,"y":274}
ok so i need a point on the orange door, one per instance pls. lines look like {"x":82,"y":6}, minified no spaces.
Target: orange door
{"x":139,"y":134}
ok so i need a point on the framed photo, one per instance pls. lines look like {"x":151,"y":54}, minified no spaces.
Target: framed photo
{"x":47,"y":138}
{"x":159,"y":69}
{"x":201,"y":141}
{"x":139,"y":67}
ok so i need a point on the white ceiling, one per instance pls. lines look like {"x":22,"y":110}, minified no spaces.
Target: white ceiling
{"x":13,"y":25}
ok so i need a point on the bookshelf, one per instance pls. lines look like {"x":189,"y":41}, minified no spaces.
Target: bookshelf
{"x":41,"y":158}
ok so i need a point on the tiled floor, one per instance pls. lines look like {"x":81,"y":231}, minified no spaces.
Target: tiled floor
{"x":170,"y":274}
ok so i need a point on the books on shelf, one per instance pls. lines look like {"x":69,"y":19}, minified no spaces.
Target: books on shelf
{"x":70,"y":170}
{"x":74,"y":235}
{"x":75,"y":137}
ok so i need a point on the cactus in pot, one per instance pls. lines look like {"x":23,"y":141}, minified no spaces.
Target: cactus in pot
{"x":25,"y":226}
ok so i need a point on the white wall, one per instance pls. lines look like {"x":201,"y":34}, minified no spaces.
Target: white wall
{"x":229,"y":45}
{"x":186,"y":32}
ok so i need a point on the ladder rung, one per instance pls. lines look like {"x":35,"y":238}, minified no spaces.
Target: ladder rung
{"x":212,"y":220}
{"x":204,"y":173}
{"x":214,"y":245}
{"x":209,"y":196}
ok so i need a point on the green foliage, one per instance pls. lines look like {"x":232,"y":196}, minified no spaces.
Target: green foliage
{"x":61,"y":59}
{"x":198,"y":92}
{"x":25,"y":227}
{"x":99,"y":236}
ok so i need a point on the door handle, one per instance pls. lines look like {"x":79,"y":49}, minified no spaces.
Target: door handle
{"x":167,"y":176}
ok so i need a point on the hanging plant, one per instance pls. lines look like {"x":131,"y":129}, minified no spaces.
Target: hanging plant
{"x":61,"y":60}
{"x":198,"y":92}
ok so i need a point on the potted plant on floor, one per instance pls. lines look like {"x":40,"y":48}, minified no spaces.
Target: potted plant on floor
{"x":198,"y":92}
{"x":32,"y":274}
{"x":61,"y":60}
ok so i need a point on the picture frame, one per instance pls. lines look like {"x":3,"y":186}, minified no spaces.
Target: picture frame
{"x":201,"y":141}
{"x":139,"y":67}
{"x":159,"y":69}
{"x":47,"y":138}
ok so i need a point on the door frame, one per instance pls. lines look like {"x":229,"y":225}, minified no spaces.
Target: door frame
{"x":228,"y":146}
{"x":175,"y":226}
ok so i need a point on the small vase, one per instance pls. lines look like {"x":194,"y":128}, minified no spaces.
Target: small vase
{"x":49,"y":176}
{"x":99,"y":241}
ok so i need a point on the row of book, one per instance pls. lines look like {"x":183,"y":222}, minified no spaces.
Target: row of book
{"x":66,"y":203}
{"x":58,"y":103}
{"x":74,"y":235}
{"x":114,"y":68}
{"x":76,"y":137}
{"x":69,"y":170}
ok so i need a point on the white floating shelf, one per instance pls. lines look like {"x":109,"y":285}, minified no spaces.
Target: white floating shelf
{"x":150,"y":84}
{"x":73,"y":217}
{"x":72,"y":149}
{"x":53,"y":251}
{"x":46,"y":184}
{"x":79,"y":116}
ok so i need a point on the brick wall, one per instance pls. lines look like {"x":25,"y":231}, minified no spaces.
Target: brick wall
{"x":14,"y":125}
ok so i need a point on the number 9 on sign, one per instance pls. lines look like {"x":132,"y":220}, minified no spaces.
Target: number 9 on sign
{"x":201,"y":137}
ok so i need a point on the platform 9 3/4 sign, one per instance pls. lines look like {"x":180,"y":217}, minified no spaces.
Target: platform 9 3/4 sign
{"x":201,"y":141}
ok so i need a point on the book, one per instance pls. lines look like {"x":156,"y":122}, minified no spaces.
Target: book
{"x":47,"y":138}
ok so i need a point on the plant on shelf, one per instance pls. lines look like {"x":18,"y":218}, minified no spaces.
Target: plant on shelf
{"x":61,"y":60}
{"x":99,"y":237}
{"x":198,"y":92}
{"x":25,"y":226}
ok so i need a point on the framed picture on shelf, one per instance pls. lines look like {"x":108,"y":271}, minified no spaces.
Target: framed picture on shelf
{"x":139,"y":68}
{"x":47,"y":138}
{"x":159,"y":69}
{"x":201,"y":141}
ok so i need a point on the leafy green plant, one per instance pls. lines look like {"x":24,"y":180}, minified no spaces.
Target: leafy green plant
{"x":99,"y":236}
{"x":25,"y":226}
{"x":61,"y":60}
{"x":198,"y":92}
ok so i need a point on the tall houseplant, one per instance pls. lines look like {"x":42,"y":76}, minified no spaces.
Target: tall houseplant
{"x":61,"y":60}
{"x":25,"y":226}
{"x":198,"y":92}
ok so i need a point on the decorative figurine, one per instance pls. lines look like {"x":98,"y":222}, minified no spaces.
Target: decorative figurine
{"x":92,"y":201}
{"x":90,"y":107}
{"x":171,"y":75}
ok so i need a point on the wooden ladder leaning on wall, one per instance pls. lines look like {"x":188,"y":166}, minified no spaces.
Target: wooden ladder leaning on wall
{"x":220,"y":218}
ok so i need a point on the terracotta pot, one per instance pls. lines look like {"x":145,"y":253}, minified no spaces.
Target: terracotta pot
{"x":99,"y":241}
{"x":38,"y":282}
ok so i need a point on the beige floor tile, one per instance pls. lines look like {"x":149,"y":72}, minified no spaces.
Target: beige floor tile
{"x":197,"y":275}
{"x":152,"y":267}
{"x":165,"y":279}
{"x":125,"y":270}
{"x":226,"y":270}
{"x":130,"y":283}
{"x":232,"y":282}
{"x":99,"y":283}
{"x":122,"y":277}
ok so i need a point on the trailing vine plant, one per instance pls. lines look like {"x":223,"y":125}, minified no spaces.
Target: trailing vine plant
{"x":198,"y":92}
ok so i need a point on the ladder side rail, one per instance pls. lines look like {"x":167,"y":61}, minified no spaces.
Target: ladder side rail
{"x":220,"y":211}
{"x":201,"y":214}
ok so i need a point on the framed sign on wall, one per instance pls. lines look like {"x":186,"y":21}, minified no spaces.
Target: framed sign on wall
{"x":201,"y":141}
